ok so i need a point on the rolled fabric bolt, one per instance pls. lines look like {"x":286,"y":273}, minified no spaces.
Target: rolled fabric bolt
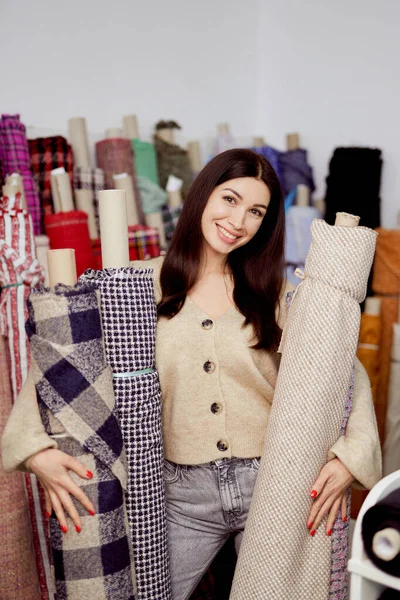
{"x":114,"y":229}
{"x":77,"y":134}
{"x":373,"y":306}
{"x":391,"y":454}
{"x":258,"y":141}
{"x":61,"y":267}
{"x":346,"y":220}
{"x":167,"y":135}
{"x":123,"y":181}
{"x":114,"y":132}
{"x":42,"y":247}
{"x":303,"y":195}
{"x":223,"y":129}
{"x":194,"y":156}
{"x":15,"y":180}
{"x":292,"y":141}
{"x":84,"y":202}
{"x":61,"y":190}
{"x":386,"y":544}
{"x":156,"y":220}
{"x":131,"y":129}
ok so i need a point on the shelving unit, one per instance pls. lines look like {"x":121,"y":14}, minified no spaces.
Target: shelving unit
{"x":368,"y":582}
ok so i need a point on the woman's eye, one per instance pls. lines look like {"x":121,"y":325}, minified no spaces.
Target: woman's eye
{"x":229,"y":199}
{"x":256,"y":212}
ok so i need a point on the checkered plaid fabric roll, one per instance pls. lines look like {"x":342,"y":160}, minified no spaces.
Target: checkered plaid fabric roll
{"x":278,"y":558}
{"x":129,"y":319}
{"x":47,"y":154}
{"x":14,"y":157}
{"x":116,"y":156}
{"x":170,"y":219}
{"x":90,"y":179}
{"x":76,"y":400}
{"x":144,"y":242}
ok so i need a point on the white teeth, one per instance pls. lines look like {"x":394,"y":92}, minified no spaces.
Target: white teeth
{"x":227,"y":234}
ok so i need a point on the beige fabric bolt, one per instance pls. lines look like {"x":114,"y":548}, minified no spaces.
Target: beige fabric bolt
{"x":279,"y":560}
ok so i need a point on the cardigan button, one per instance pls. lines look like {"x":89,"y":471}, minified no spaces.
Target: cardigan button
{"x":222,"y":445}
{"x":209,"y":367}
{"x":216,"y":408}
{"x":207,"y":324}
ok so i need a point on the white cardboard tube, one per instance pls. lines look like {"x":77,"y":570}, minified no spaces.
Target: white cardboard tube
{"x":77,"y":133}
{"x":167,"y":135}
{"x":174,"y":199}
{"x":131,"y":129}
{"x":194,"y":156}
{"x":258,"y":141}
{"x":386,"y":544}
{"x":373,"y":306}
{"x":62,"y":267}
{"x":292,"y":141}
{"x":15,"y":179}
{"x":42,"y":247}
{"x":302,"y":195}
{"x":114,"y":132}
{"x":84,"y":202}
{"x":123,"y":181}
{"x":114,"y":229}
{"x":155,"y":220}
{"x":61,"y":191}
{"x":346,"y":220}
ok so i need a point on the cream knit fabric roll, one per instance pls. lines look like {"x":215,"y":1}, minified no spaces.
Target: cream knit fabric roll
{"x":278,"y":559}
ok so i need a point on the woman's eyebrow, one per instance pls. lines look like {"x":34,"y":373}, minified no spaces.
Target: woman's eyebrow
{"x":233,"y":192}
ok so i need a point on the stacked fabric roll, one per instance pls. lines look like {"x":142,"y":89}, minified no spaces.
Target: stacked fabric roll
{"x":70,"y":230}
{"x":391,"y":448}
{"x":19,"y":578}
{"x":369,"y":342}
{"x":298,"y":238}
{"x":47,"y":154}
{"x":115,"y":156}
{"x":76,"y":401}
{"x":144,"y":243}
{"x":170,"y":219}
{"x":86,"y":178}
{"x":295,"y":170}
{"x":14,"y":157}
{"x":145,"y":160}
{"x":386,"y":286}
{"x":348,"y":188}
{"x":129,"y":318}
{"x":278,"y":557}
{"x":19,"y":272}
{"x":273,"y":156}
{"x":173,"y":160}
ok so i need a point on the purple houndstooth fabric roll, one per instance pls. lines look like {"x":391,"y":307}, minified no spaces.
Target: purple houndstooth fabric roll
{"x":15,"y":158}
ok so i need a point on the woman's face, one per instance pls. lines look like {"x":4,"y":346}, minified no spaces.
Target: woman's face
{"x":234,"y":213}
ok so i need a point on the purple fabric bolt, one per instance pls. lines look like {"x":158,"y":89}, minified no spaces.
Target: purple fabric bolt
{"x":15,"y":158}
{"x":273,"y":157}
{"x":295,"y":170}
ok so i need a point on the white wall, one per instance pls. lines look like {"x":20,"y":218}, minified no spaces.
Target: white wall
{"x":327,"y":69}
{"x":331,"y":71}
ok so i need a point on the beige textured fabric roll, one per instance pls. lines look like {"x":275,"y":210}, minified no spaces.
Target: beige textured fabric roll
{"x":391,"y":448}
{"x":278,"y":559}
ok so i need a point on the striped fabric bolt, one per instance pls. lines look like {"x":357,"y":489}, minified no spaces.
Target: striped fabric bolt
{"x":15,"y":158}
{"x":90,"y":179}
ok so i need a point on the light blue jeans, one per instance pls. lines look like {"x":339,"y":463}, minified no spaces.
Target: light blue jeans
{"x":205,"y":505}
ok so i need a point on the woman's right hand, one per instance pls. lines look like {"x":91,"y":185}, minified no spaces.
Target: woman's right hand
{"x":51,"y":467}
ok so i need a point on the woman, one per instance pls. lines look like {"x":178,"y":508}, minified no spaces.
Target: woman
{"x":221,"y":306}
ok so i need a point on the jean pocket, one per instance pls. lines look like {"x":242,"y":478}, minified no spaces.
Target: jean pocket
{"x":171,"y":472}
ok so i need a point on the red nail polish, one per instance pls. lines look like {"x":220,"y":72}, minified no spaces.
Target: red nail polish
{"x":330,"y":532}
{"x":309,"y":525}
{"x":91,"y":512}
{"x":78,"y":528}
{"x":47,"y":515}
{"x":312,"y":533}
{"x":89,"y":474}
{"x":344,"y":519}
{"x":64,"y":529}
{"x":314,"y":494}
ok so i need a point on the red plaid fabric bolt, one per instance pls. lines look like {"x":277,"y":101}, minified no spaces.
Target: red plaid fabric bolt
{"x":47,"y":154}
{"x":15,"y":158}
{"x":144,"y":242}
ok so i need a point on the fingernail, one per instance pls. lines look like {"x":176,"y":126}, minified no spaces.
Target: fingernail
{"x":78,"y":528}
{"x":47,"y":515}
{"x":344,"y":519}
{"x":89,"y":474}
{"x":314,"y":494}
{"x":309,"y":525}
{"x":64,"y":529}
{"x":91,"y":512}
{"x":312,"y":533}
{"x":330,"y":532}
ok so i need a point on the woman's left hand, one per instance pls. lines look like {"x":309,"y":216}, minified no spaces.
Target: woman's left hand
{"x":329,"y":493}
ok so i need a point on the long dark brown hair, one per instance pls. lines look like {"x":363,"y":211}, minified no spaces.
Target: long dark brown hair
{"x":257,"y":267}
